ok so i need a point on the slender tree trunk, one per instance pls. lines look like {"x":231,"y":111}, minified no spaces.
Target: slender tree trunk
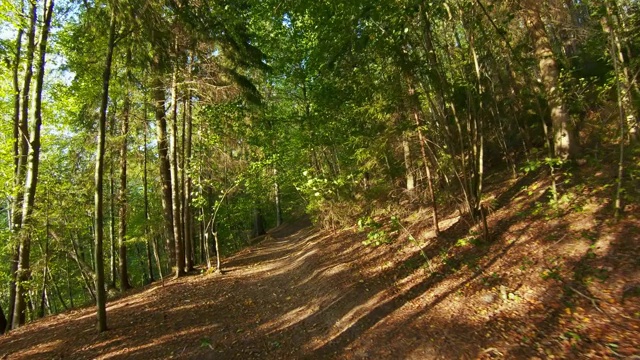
{"x":406,"y":149}
{"x":113,"y":272}
{"x":432,"y":195}
{"x":186,"y":171}
{"x":258,"y":222}
{"x":23,"y":120}
{"x":203,"y":259}
{"x":276,"y":191}
{"x":612,"y":25}
{"x":122,"y":229}
{"x":33,"y":163}
{"x":477,"y":136}
{"x":217,"y":243}
{"x":21,"y":135}
{"x":58,"y":292}
{"x":564,"y":142}
{"x":145,"y":185}
{"x":175,"y":185}
{"x":414,"y":105}
{"x":204,"y":232}
{"x":45,"y":275}
{"x":622,"y":111}
{"x":99,"y":216}
{"x":86,"y":271}
{"x":18,"y":132}
{"x":3,"y":322}
{"x":165,"y":168}
{"x":156,"y":255}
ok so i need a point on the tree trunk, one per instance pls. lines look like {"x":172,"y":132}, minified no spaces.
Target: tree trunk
{"x":611,"y":25}
{"x":186,"y":171}
{"x":19,"y":132}
{"x":21,"y":136}
{"x":175,"y":185}
{"x":276,"y":191}
{"x":414,"y":108}
{"x":113,"y":272}
{"x":99,"y":175}
{"x":45,"y":275}
{"x":69,"y":289}
{"x":122,"y":199}
{"x":23,"y":273}
{"x":86,"y":272}
{"x":165,"y":168}
{"x":58,"y":292}
{"x":406,"y":149}
{"x":3,"y":321}
{"x":563,"y":137}
{"x":145,"y":185}
{"x":258,"y":223}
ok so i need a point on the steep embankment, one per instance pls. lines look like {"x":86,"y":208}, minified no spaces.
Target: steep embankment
{"x":548,"y":281}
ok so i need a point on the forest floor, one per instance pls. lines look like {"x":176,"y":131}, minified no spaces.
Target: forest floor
{"x":549,"y":282}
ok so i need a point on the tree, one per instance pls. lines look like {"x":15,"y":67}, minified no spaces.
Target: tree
{"x":32,"y":170}
{"x":3,"y":322}
{"x":99,"y":176}
{"x":175,"y":183}
{"x":122,"y":234}
{"x":564,"y":141}
{"x":21,"y":134}
{"x":163,"y":152}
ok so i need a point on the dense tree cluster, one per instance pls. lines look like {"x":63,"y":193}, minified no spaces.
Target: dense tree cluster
{"x":195,"y":125}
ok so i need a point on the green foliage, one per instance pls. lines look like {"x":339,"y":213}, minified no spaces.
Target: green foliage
{"x":316,"y":99}
{"x":378,"y":233}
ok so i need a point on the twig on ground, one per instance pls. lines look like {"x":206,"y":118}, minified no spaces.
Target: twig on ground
{"x":492,"y":350}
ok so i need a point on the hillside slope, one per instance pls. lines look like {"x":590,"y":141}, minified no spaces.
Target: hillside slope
{"x":558,"y":282}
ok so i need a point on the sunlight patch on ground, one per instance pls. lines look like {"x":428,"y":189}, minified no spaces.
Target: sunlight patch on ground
{"x":127,"y":302}
{"x":184,"y":334}
{"x":40,"y":349}
{"x":187,"y":306}
{"x":326,"y":271}
{"x":289,"y":319}
{"x":285,"y":268}
{"x":88,"y":313}
{"x":256,"y":269}
{"x":350,"y":319}
{"x":280,"y":265}
{"x":103,"y":344}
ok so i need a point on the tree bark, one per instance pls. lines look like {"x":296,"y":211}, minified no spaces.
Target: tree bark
{"x":3,"y":321}
{"x":21,"y":134}
{"x":18,"y":136}
{"x":175,"y":185}
{"x":122,"y":199}
{"x":33,"y":164}
{"x":414,"y":108}
{"x":145,"y":185}
{"x":563,"y":137}
{"x":276,"y":191}
{"x":58,"y":292}
{"x":611,"y":25}
{"x":165,"y":168}
{"x":186,"y":171}
{"x":99,"y":175}
{"x":113,"y":272}
{"x":406,"y":149}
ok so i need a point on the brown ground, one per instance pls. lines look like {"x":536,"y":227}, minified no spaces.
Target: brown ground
{"x":545,"y":284}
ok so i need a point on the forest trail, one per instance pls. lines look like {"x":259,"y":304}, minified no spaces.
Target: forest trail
{"x":311,"y":294}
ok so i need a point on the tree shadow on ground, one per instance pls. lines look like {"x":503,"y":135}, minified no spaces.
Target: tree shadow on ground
{"x":305,"y":294}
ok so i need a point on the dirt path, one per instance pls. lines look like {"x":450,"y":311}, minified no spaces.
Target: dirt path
{"x":281,"y":298}
{"x":307,"y":294}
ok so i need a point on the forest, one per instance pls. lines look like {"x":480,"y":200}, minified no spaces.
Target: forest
{"x":145,"y":141}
